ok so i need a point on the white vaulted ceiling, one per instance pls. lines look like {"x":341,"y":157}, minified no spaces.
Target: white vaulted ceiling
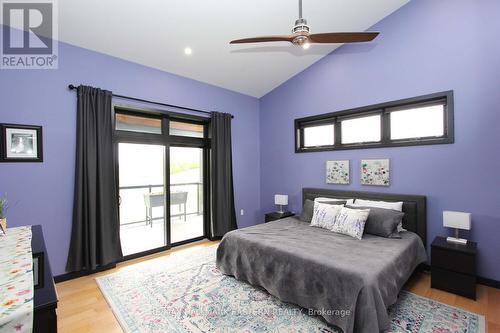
{"x":156,"y":32}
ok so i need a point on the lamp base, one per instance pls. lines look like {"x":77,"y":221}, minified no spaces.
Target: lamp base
{"x":281,"y":211}
{"x":456,"y":240}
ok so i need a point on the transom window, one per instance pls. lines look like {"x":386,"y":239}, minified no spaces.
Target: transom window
{"x":157,"y":126}
{"x":135,"y":123}
{"x":361,"y":129}
{"x":420,"y":120}
{"x":317,"y":136}
{"x":186,"y":129}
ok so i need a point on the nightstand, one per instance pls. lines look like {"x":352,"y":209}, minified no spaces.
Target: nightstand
{"x":453,"y":267}
{"x":277,"y":215}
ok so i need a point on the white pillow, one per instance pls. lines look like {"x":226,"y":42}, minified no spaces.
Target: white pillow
{"x":324,"y":215}
{"x":351,"y":222}
{"x":348,"y":201}
{"x":379,"y":204}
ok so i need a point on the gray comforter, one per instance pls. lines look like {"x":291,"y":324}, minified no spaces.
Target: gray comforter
{"x":349,"y":282}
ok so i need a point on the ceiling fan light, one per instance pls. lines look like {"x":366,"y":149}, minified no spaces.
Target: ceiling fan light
{"x":300,"y":40}
{"x":302,"y":37}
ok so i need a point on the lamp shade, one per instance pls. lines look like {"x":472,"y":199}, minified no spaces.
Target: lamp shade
{"x":281,"y":199}
{"x":457,"y":220}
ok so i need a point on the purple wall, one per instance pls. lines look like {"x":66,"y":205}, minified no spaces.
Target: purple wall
{"x":42,"y":193}
{"x":426,"y":46}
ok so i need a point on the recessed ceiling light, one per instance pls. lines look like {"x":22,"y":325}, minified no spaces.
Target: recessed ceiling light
{"x":188,"y":51}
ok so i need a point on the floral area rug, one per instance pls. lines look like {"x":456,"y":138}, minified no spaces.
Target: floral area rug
{"x":185,"y":292}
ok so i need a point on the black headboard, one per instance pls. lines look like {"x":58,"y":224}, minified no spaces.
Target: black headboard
{"x":414,"y":206}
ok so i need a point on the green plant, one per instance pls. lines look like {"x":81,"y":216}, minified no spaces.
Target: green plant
{"x":3,"y":206}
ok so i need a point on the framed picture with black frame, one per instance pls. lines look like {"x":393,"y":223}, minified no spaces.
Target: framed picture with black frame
{"x":38,"y":272}
{"x":21,"y":143}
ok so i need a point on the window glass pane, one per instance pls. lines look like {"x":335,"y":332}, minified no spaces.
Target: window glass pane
{"x":418,"y":122}
{"x":366,"y":129}
{"x":186,"y":129}
{"x":142,"y":183}
{"x":125,"y":122}
{"x":319,"y":136}
{"x":186,"y":193}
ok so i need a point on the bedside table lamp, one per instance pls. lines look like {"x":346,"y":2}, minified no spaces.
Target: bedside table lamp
{"x":457,"y":220}
{"x":281,"y":200}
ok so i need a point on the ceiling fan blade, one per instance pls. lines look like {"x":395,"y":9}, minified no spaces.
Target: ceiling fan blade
{"x":343,"y":37}
{"x":263,"y":39}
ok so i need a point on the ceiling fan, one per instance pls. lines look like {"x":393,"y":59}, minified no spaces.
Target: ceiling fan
{"x":301,"y":37}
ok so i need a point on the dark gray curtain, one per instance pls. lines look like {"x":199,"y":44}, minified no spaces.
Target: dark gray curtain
{"x":95,"y":236}
{"x":221,"y":168}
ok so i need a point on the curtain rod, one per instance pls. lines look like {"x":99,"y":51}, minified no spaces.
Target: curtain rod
{"x":73,"y":87}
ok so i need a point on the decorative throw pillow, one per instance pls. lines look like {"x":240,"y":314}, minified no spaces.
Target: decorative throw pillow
{"x":382,"y":222}
{"x":325,"y":199}
{"x":381,"y":204}
{"x":325,"y":214}
{"x":351,"y":222}
{"x":308,"y":209}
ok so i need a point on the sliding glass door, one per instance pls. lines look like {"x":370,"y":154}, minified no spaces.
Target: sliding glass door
{"x":142,"y":188}
{"x":161,"y":163}
{"x":186,"y":193}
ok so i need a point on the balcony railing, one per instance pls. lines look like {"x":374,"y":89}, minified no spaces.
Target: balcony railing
{"x":151,"y":187}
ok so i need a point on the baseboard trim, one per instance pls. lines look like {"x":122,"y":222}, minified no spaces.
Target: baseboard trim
{"x":76,"y":275}
{"x":488,"y":282}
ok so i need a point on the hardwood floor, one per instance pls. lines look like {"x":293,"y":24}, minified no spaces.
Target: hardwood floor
{"x":486,"y":304}
{"x":82,"y":308}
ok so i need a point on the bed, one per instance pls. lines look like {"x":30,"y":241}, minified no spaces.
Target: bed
{"x":349,"y":282}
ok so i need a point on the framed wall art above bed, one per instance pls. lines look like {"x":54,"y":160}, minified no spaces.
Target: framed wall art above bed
{"x":375,"y":172}
{"x":337,"y":172}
